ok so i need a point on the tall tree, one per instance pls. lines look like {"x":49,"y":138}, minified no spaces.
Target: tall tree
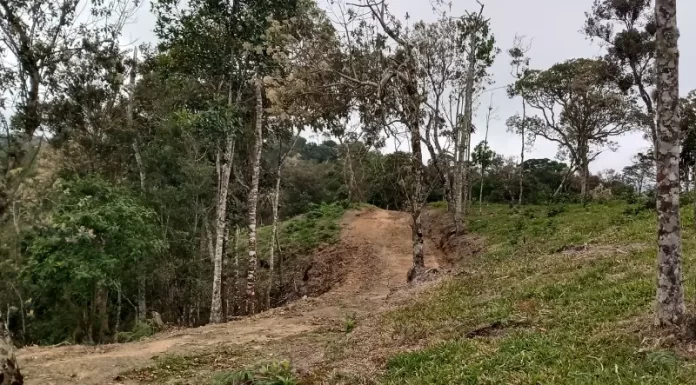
{"x":520,"y":65}
{"x":592,"y":109}
{"x":627,"y":29}
{"x":42,"y":37}
{"x":254,"y":196}
{"x":387,"y":88}
{"x":480,"y":52}
{"x":670,"y":307}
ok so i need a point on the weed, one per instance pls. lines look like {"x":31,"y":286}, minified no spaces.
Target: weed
{"x":277,"y":373}
{"x":349,"y":323}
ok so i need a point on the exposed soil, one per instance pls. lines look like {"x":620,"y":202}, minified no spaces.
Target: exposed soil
{"x":454,"y":248}
{"x":374,"y":254}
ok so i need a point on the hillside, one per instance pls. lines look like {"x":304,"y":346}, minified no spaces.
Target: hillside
{"x":375,"y":257}
{"x":559,"y":295}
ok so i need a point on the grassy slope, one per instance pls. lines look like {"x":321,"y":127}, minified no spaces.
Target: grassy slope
{"x":584,"y":316}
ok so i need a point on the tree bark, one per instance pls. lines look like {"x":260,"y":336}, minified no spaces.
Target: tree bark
{"x":220,"y":222}
{"x":253,"y":199}
{"x":103,"y":309}
{"x":571,"y":170}
{"x":9,"y":370}
{"x":670,"y":307}
{"x":524,"y":117}
{"x":235,"y":251}
{"x":274,"y":235}
{"x":141,"y":299}
{"x":693,"y":178}
{"x":584,"y":164}
{"x":465,"y":134}
{"x":117,"y":326}
{"x":416,"y":205}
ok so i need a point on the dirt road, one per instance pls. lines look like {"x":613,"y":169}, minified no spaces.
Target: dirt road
{"x":378,"y":269}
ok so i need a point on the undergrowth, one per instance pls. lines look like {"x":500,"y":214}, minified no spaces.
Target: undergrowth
{"x":562,"y":296}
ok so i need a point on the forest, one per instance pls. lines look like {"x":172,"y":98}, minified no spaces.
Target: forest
{"x":187,"y":182}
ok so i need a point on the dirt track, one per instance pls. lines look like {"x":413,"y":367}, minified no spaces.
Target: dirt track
{"x":377,"y":270}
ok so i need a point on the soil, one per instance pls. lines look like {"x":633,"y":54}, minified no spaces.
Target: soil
{"x":375,"y":255}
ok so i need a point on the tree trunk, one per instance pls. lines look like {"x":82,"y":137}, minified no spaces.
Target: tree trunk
{"x":465,"y":135}
{"x":693,"y":178}
{"x":253,"y":199}
{"x":117,"y":325}
{"x":220,"y":228}
{"x":9,"y":370}
{"x":524,"y":116}
{"x":235,"y":289}
{"x":670,"y":307}
{"x":141,"y":300}
{"x":584,"y":174}
{"x":571,"y":170}
{"x":274,"y":235}
{"x":103,"y":310}
{"x":416,"y":206}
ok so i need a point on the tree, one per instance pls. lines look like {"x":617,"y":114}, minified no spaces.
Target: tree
{"x":592,"y":109}
{"x":96,"y":237}
{"x":642,"y":168}
{"x":627,"y":28}
{"x":670,"y":307}
{"x":481,"y":53}
{"x":688,"y":134}
{"x":387,"y":90}
{"x":42,"y":37}
{"x":520,"y":65}
{"x":254,"y":196}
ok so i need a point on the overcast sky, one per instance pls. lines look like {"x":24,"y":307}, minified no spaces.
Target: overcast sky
{"x":554,"y":26}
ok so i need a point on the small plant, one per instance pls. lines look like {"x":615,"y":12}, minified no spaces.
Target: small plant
{"x":276,"y":373}
{"x":349,"y":323}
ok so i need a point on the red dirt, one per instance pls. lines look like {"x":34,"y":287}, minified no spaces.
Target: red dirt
{"x":376,"y":256}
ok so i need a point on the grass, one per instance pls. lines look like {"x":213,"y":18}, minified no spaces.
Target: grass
{"x":302,"y":234}
{"x":572,"y":287}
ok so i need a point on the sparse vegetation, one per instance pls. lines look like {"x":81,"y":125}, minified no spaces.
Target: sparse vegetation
{"x":277,"y":373}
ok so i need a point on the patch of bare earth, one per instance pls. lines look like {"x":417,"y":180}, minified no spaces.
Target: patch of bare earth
{"x":374,"y":254}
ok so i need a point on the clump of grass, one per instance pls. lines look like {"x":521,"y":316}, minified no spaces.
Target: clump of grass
{"x":349,"y":323}
{"x":277,"y":373}
{"x":583,"y":281}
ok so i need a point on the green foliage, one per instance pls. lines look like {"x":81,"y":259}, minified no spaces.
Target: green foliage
{"x":349,"y":323}
{"x":95,"y":237}
{"x":277,"y":373}
{"x":574,"y":302}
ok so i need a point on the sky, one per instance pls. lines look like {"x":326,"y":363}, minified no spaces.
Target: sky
{"x":553,"y":26}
